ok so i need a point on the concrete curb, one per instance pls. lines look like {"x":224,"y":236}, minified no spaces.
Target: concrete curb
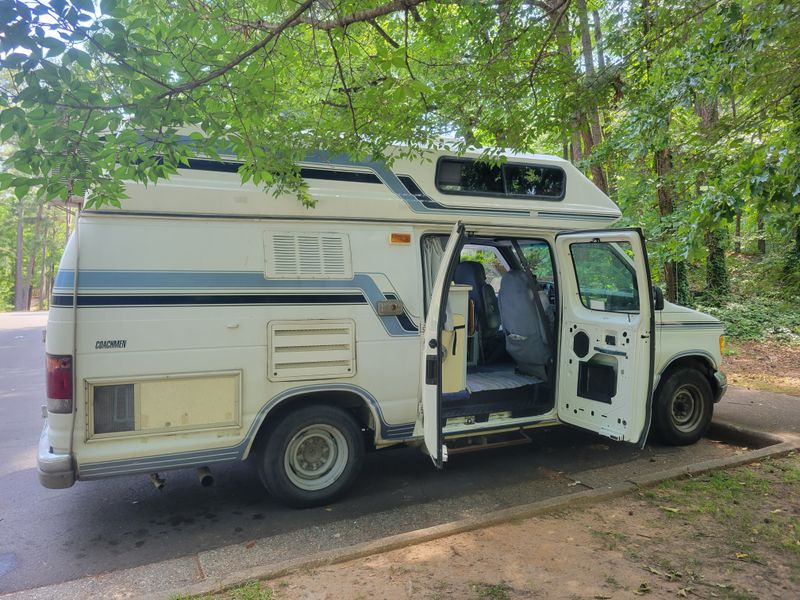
{"x":775,"y":446}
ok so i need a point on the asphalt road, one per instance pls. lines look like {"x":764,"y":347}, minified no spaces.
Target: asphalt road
{"x":48,"y":536}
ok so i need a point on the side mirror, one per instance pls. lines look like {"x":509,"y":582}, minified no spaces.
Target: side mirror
{"x":658,"y":298}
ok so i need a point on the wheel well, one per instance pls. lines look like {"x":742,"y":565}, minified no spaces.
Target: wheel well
{"x":693,"y":361}
{"x":350,"y":401}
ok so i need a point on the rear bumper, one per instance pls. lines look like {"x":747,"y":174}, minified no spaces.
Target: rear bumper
{"x":56,"y":471}
{"x":722,"y":385}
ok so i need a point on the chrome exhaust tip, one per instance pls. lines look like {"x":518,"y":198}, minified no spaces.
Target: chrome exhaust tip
{"x":205,"y":477}
{"x":157,"y":481}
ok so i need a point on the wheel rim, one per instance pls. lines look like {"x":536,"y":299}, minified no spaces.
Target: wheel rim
{"x":686,"y":408}
{"x":315,"y":457}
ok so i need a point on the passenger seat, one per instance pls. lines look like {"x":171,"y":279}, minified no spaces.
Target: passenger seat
{"x":526,"y":339}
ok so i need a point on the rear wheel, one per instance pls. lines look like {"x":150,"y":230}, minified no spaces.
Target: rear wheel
{"x":683,"y":407}
{"x":311,"y":456}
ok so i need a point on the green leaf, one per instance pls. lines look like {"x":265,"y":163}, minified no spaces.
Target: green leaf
{"x":80,"y":57}
{"x":54,"y":46}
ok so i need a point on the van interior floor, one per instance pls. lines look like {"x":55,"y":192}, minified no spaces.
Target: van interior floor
{"x":497,"y":388}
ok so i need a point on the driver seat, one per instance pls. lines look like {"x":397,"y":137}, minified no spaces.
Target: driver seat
{"x":487,"y":311}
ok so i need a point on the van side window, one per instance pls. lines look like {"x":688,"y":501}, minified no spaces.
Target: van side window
{"x":465,"y":176}
{"x":537,"y":254}
{"x":493,"y":262}
{"x":606,"y":279}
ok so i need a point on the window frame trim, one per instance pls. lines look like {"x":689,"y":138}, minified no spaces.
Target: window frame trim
{"x":505,"y":193}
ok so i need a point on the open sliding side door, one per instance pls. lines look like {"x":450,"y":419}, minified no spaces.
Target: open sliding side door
{"x":431,"y":368}
{"x":607,"y":345}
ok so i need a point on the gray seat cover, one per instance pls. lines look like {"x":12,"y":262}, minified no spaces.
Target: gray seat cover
{"x":526,"y":340}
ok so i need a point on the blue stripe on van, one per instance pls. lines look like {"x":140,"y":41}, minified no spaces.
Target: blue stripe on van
{"x":231,"y":166}
{"x":205,"y":299}
{"x":112,"y":282}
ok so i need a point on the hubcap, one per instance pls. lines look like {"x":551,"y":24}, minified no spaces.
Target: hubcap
{"x":686,"y":408}
{"x":315,"y":457}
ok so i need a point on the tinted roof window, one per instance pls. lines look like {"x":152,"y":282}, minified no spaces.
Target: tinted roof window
{"x":473,"y":177}
{"x":541,"y":182}
{"x":469,"y":176}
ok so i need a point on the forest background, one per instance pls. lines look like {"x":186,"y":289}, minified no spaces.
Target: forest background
{"x":686,"y":113}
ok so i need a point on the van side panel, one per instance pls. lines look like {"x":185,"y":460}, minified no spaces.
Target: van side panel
{"x":167,"y":303}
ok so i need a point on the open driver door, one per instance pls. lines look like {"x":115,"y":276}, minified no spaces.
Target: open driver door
{"x":606,"y":350}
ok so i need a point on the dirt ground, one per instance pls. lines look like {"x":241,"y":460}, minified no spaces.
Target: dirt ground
{"x":764,"y":366}
{"x":729,"y":534}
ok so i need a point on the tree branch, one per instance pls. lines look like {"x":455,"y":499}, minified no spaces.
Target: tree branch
{"x":274,"y":33}
{"x":383,"y":33}
{"x":561,"y":11}
{"x":344,"y":83}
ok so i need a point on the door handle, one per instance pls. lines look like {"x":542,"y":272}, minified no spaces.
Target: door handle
{"x":432,"y":369}
{"x":610,"y":351}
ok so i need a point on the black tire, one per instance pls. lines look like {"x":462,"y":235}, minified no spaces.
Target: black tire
{"x":684,"y":405}
{"x":311,"y":456}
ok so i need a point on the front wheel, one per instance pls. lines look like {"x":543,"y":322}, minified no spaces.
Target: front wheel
{"x":311,"y":456}
{"x":683,"y":407}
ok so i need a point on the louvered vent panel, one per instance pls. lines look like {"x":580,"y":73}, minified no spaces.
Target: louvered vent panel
{"x":307,"y":256}
{"x":317,"y":349}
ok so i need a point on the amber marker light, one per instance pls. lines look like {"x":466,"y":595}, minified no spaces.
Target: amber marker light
{"x":400,"y":238}
{"x":722,"y":344}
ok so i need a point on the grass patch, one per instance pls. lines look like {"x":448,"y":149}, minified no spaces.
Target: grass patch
{"x":752,"y":508}
{"x":485,"y":591}
{"x":252,"y":590}
{"x":718,"y":494}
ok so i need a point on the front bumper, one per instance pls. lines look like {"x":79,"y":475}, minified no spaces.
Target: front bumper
{"x":56,"y":471}
{"x":722,"y":385}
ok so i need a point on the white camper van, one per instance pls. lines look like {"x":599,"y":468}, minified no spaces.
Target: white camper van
{"x":443,"y":303}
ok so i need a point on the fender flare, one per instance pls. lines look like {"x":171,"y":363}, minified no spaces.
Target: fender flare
{"x":383,"y":430}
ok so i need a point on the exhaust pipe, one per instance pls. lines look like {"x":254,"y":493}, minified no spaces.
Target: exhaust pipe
{"x":157,"y":481}
{"x":205,"y":477}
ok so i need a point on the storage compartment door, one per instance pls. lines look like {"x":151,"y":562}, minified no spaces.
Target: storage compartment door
{"x":606,"y":346}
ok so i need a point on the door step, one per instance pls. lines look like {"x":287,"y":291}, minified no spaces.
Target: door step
{"x":485,"y":442}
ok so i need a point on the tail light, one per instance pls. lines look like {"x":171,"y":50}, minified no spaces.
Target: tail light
{"x":59,"y":383}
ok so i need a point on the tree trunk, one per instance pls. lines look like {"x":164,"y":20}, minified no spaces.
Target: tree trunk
{"x":598,"y":40}
{"x":738,"y":247}
{"x":594,"y":115}
{"x":43,"y":265}
{"x":684,"y":296}
{"x":556,"y":9}
{"x":37,"y":233}
{"x":762,"y":241}
{"x":576,"y":144}
{"x":717,"y":281}
{"x":586,"y":38}
{"x":20,"y":285}
{"x":674,"y":273}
